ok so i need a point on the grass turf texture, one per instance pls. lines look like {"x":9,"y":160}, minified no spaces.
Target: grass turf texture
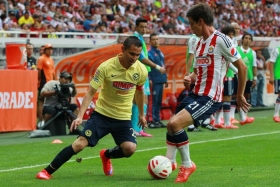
{"x":248,"y":156}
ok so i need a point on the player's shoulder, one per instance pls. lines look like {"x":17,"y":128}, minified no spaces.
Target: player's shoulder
{"x":108,"y":62}
{"x":140,"y":67}
{"x":222,"y":38}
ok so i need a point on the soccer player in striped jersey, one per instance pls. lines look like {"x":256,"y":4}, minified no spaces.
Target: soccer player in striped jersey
{"x":212,"y":53}
{"x":274,"y":64}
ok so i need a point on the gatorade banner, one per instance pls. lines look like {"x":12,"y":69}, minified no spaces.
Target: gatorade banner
{"x":18,"y":100}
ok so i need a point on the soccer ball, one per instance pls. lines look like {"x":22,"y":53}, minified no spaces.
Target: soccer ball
{"x":159,"y":167}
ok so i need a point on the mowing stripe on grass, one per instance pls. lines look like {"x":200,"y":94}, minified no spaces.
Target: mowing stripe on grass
{"x":154,"y":148}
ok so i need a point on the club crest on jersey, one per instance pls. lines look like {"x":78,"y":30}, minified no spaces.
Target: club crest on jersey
{"x":203,"y":61}
{"x":135,"y":76}
{"x":123,"y":85}
{"x":233,"y":51}
{"x":211,"y":49}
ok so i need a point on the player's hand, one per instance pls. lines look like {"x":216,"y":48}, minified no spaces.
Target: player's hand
{"x":142,"y":122}
{"x":187,"y":81}
{"x":271,"y":81}
{"x":254,"y":83}
{"x":162,"y":70}
{"x":75,"y":124}
{"x":242,"y":103}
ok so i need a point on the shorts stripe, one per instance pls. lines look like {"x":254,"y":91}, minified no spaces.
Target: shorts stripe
{"x":203,"y":109}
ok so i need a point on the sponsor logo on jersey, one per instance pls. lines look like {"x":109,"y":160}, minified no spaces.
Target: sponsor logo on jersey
{"x":123,"y":85}
{"x":233,"y":51}
{"x":203,"y":61}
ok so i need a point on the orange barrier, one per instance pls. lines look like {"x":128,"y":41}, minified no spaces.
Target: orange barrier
{"x":18,"y":100}
{"x":16,"y":55}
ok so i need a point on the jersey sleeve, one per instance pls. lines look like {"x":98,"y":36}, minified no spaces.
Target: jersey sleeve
{"x":143,"y":77}
{"x":98,"y":77}
{"x":142,"y":55}
{"x":274,"y":55}
{"x":192,"y":44}
{"x":228,"y":50}
{"x":40,"y":63}
{"x":254,"y":59}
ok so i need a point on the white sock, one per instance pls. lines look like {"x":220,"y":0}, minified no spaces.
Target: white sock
{"x":276,"y":110}
{"x":185,"y":155}
{"x":218,"y":117}
{"x":242,"y":115}
{"x":232,"y":111}
{"x":227,"y":118}
{"x":191,"y":126}
{"x":171,"y":153}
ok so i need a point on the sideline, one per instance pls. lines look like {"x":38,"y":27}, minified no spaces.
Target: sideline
{"x":155,"y":148}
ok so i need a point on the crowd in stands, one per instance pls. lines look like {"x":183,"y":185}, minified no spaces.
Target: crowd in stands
{"x":258,"y":17}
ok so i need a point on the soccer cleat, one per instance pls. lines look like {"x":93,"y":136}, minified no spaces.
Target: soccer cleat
{"x":144,"y":134}
{"x":184,"y":173}
{"x":232,"y":120}
{"x":247,"y":121}
{"x":276,"y":119}
{"x":174,"y":166}
{"x":251,"y":118}
{"x":44,"y":175}
{"x":195,"y":129}
{"x":232,"y":127}
{"x":155,"y":125}
{"x":106,"y":162}
{"x":209,"y":127}
{"x":219,"y":126}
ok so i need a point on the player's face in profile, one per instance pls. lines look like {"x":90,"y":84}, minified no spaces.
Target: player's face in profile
{"x":231,"y":35}
{"x":130,"y":55}
{"x":142,"y":28}
{"x":195,"y":27}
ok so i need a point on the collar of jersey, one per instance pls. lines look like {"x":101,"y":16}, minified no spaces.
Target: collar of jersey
{"x":119,"y":66}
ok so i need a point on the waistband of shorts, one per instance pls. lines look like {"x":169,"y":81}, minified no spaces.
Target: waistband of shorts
{"x":228,"y":78}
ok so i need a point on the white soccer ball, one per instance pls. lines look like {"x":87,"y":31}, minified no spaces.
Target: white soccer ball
{"x":160,"y":167}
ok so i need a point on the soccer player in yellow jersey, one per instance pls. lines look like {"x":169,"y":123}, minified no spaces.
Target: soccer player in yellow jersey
{"x":120,"y":78}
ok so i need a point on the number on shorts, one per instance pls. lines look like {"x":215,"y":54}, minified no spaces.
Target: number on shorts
{"x":133,"y":132}
{"x":193,"y":105}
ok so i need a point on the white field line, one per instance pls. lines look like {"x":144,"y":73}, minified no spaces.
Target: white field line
{"x":144,"y":150}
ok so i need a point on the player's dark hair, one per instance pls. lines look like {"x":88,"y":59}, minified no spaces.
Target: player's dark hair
{"x":140,"y":20}
{"x":132,"y":40}
{"x":247,"y":34}
{"x":153,"y":34}
{"x":227,"y":30}
{"x":201,"y":11}
{"x":29,"y":44}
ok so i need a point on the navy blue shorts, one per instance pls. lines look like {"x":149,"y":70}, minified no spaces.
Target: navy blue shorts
{"x":98,"y":126}
{"x":277,"y":86}
{"x":200,"y":107}
{"x":235,"y":84}
{"x":248,"y":87}
{"x":228,"y":87}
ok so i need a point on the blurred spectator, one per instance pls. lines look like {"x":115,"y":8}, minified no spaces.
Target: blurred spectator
{"x":26,"y":19}
{"x":89,"y":23}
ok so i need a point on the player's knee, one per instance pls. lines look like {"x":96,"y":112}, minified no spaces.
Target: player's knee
{"x":79,"y":144}
{"x":129,"y":150}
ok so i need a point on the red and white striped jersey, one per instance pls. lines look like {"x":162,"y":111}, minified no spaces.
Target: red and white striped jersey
{"x":211,"y":60}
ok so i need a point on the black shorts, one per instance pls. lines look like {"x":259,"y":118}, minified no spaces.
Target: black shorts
{"x":200,"y":107}
{"x":277,"y":86}
{"x":228,"y":87}
{"x":53,"y":110}
{"x":235,"y":84}
{"x":98,"y":126}
{"x":248,"y":87}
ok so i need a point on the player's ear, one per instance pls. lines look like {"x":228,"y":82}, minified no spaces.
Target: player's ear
{"x":123,"y":49}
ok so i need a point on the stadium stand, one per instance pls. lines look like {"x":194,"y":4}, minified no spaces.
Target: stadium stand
{"x":259,"y":17}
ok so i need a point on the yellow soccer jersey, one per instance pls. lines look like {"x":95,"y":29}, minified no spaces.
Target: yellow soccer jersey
{"x":118,"y":86}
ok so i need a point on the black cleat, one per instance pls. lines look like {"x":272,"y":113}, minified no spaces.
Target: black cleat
{"x":195,"y":129}
{"x":209,"y":127}
{"x":155,"y":125}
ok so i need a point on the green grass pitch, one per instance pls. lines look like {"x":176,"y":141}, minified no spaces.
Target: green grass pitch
{"x":248,"y":156}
